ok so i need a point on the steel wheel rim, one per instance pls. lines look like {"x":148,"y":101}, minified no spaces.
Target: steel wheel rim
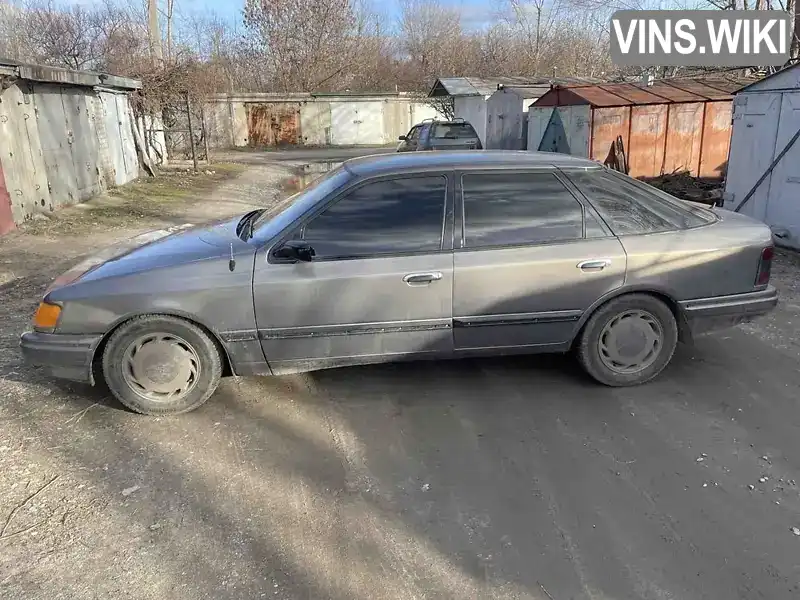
{"x":631,"y":341}
{"x":161,"y":367}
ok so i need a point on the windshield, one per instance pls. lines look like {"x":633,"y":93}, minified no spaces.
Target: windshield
{"x":284,"y":212}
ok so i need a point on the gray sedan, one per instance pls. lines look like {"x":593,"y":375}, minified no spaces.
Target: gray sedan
{"x":409,"y":256}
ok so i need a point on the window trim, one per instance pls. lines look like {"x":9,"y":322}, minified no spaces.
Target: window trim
{"x":460,"y":228}
{"x":299,"y":225}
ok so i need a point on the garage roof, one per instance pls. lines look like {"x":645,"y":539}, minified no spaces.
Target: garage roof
{"x":667,"y":91}
{"x":477,"y":86}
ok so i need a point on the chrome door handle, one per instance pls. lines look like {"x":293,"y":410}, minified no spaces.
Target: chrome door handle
{"x":594,"y":265}
{"x":422,"y":278}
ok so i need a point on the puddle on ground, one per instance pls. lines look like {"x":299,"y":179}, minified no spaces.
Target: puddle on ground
{"x":305,"y":174}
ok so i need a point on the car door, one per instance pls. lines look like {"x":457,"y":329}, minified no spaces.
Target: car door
{"x":380,"y":284}
{"x":530,"y":259}
{"x":412,"y":139}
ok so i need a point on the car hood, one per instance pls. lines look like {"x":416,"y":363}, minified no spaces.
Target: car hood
{"x":172,"y":246}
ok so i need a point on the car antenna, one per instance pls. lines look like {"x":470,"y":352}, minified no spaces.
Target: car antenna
{"x":232,"y":261}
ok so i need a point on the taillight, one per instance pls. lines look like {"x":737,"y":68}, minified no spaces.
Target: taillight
{"x":765,"y":265}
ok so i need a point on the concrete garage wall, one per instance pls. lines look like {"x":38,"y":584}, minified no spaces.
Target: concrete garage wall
{"x":62,"y":141}
{"x":324,"y":120}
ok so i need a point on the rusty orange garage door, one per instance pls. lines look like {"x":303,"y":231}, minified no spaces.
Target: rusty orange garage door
{"x":607,"y":124}
{"x":273,"y":124}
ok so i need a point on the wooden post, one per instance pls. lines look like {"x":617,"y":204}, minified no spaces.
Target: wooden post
{"x":205,"y":131}
{"x":191,"y":131}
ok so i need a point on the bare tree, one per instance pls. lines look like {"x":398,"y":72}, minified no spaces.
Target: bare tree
{"x":308,"y":45}
{"x":431,"y":38}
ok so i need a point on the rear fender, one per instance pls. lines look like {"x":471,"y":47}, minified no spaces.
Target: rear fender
{"x":666,"y":296}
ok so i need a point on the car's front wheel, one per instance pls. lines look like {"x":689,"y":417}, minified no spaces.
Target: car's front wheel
{"x":628,"y":341}
{"x":161,"y":365}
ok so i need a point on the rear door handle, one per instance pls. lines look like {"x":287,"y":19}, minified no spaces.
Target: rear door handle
{"x":594,"y":265}
{"x":422,"y":278}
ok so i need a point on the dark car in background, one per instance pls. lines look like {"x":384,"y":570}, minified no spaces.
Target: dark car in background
{"x":440,"y":135}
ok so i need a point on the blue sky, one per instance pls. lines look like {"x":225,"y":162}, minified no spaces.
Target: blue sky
{"x":474,"y":11}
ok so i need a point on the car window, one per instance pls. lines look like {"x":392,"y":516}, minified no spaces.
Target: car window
{"x":453,"y":131}
{"x":273,"y":220}
{"x":630,"y":207}
{"x":518,"y":208}
{"x":385,"y":217}
{"x":413,"y":135}
{"x":700,"y":215}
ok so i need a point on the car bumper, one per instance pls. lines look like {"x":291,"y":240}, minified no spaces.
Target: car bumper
{"x":59,"y":355}
{"x":705,"y":315}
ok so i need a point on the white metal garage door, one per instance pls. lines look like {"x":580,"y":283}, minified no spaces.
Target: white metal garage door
{"x":357,"y":123}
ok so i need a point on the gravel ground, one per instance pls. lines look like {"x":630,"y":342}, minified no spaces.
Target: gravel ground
{"x":506,"y":478}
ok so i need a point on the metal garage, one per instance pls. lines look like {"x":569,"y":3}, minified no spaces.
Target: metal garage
{"x":666,"y":126}
{"x":764,"y":160}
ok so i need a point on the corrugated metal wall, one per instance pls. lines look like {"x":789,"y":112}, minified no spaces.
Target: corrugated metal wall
{"x":62,"y":144}
{"x":666,"y":138}
{"x":679,"y":134}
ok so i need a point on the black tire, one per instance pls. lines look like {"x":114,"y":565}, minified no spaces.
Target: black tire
{"x":588,"y":346}
{"x":203,"y":346}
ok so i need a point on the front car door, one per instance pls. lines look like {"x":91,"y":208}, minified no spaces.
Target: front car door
{"x":379,"y":287}
{"x":530,"y":259}
{"x":412,"y":139}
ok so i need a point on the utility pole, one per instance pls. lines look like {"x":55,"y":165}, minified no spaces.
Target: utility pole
{"x":155,"y":33}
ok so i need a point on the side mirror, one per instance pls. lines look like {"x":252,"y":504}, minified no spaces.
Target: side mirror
{"x":402,"y":138}
{"x":295,"y":250}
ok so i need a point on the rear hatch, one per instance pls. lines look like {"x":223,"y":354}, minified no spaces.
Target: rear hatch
{"x":453,"y":136}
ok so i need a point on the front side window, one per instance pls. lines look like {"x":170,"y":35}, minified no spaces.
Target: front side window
{"x":630,"y":207}
{"x":413,"y":135}
{"x":391,"y":216}
{"x":518,"y":208}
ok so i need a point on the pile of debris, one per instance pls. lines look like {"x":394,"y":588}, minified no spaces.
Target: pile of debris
{"x":687,"y":187}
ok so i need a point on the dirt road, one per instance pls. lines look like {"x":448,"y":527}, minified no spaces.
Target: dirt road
{"x":507,"y":478}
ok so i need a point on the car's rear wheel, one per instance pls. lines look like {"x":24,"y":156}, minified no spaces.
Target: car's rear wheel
{"x":628,"y":341}
{"x":161,"y":365}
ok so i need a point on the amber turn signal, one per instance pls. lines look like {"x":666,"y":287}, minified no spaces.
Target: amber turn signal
{"x":46,"y":315}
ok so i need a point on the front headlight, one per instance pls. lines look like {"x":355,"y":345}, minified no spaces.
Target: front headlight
{"x":46,"y":317}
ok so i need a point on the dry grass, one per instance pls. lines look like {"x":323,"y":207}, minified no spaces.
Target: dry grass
{"x":142,"y":202}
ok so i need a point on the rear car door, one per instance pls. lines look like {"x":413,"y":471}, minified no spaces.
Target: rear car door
{"x":380,"y":284}
{"x":530,"y":258}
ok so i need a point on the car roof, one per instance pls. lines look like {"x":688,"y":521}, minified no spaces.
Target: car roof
{"x":468,"y":159}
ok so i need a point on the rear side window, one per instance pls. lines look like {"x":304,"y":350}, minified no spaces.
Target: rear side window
{"x":518,"y":208}
{"x":453,"y":131}
{"x":384,"y":217}
{"x":631,"y":207}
